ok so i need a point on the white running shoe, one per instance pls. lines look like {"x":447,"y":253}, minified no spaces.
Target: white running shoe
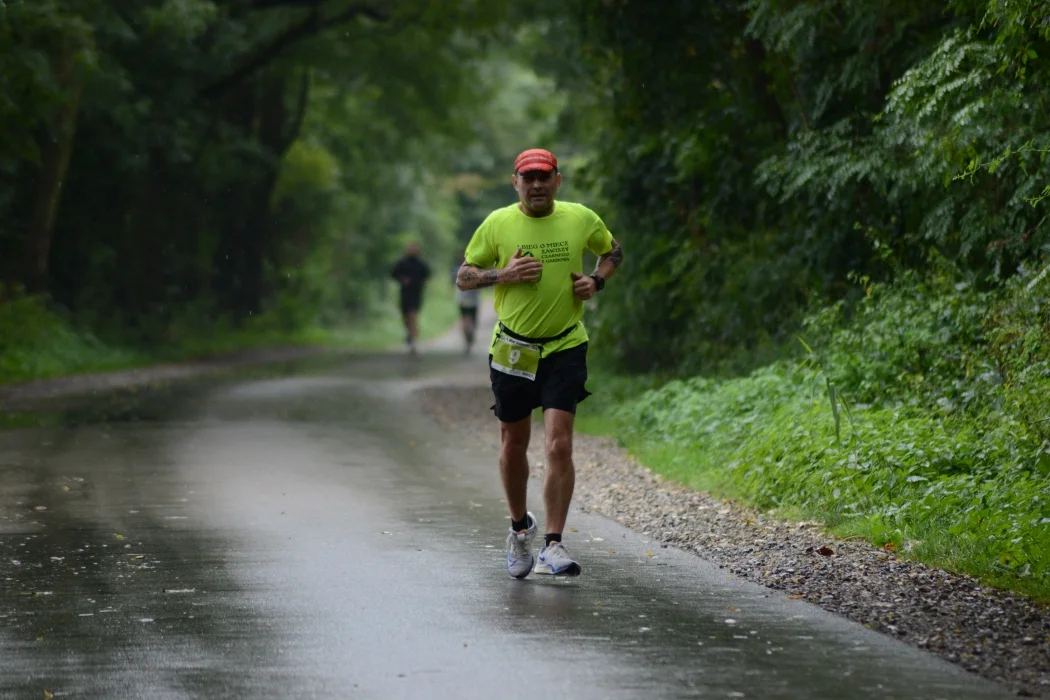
{"x":519,"y":550}
{"x":555,"y":561}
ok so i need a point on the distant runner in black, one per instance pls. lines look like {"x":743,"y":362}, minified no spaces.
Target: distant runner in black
{"x":412,"y":274}
{"x":467,"y":301}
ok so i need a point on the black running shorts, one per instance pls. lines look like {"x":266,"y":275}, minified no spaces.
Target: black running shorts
{"x":559,"y":383}
{"x":470,"y":312}
{"x":411,"y":301}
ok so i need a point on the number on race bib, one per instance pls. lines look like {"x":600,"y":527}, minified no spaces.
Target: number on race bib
{"x":515,"y":358}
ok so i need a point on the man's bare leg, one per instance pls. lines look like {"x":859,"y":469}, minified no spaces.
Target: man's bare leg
{"x":468,"y":330}
{"x":410,"y":322}
{"x":561,"y":474}
{"x":514,"y":464}
{"x":514,"y":468}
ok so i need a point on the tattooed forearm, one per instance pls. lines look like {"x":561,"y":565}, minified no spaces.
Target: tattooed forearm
{"x":614,"y":256}
{"x":470,"y":277}
{"x":488,"y":278}
{"x":467,"y":278}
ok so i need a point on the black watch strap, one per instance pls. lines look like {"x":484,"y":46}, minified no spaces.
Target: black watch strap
{"x":599,"y":281}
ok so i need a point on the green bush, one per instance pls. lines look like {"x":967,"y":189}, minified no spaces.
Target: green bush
{"x":35,"y":342}
{"x":920,"y":420}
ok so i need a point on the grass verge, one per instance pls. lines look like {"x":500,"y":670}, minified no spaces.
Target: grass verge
{"x":35,"y":343}
{"x":964,"y":493}
{"x":916,"y":418}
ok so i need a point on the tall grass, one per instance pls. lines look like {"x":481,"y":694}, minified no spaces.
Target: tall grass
{"x":917,"y":421}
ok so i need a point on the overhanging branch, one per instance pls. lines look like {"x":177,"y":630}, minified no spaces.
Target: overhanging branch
{"x":239,"y":8}
{"x":300,"y":113}
{"x":311,"y":25}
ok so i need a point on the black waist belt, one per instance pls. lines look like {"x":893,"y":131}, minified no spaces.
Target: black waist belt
{"x":537,"y":341}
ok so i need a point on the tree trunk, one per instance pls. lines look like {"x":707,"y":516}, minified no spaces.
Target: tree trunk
{"x":246,"y":247}
{"x":56,"y":147}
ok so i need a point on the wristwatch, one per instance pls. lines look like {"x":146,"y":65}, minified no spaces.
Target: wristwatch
{"x":599,"y":282}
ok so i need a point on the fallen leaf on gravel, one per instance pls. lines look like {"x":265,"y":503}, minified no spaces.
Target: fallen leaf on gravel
{"x":612,"y":551}
{"x":796,"y":596}
{"x":598,"y":603}
{"x":40,"y":508}
{"x":889,"y":546}
{"x":118,"y":536}
{"x":650,"y":553}
{"x":825,"y":551}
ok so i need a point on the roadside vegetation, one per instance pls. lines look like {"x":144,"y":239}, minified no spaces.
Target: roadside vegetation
{"x":37,"y":343}
{"x":835,"y":301}
{"x":919,"y":423}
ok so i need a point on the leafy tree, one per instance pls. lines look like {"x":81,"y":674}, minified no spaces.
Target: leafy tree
{"x":757,"y":154}
{"x":174,"y":157}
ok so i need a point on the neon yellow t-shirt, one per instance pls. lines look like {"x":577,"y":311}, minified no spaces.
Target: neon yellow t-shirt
{"x":547,"y":306}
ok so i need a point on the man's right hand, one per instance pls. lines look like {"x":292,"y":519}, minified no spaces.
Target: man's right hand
{"x":521,"y":268}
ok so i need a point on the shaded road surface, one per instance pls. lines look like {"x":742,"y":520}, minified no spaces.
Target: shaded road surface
{"x":310,"y":534}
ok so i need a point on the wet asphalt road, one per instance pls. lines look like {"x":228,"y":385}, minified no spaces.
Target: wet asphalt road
{"x":306,"y":533}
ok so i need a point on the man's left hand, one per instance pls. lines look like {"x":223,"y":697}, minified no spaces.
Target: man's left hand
{"x":583,"y":287}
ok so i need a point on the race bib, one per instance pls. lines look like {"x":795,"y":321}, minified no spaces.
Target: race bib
{"x":515,"y":357}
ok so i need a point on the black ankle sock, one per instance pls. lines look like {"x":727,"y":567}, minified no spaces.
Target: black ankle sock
{"x":551,"y":537}
{"x":518,"y":525}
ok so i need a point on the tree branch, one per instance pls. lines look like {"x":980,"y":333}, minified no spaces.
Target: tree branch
{"x":239,"y":8}
{"x":300,"y":113}
{"x":310,"y":25}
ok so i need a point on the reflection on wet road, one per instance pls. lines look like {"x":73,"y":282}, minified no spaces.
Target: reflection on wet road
{"x":312,"y":535}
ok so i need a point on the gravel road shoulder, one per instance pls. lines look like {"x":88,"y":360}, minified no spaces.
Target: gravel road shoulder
{"x":998,"y":635}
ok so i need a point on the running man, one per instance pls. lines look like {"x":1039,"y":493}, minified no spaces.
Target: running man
{"x":412,"y":274}
{"x":532,"y":252}
{"x":467,"y":300}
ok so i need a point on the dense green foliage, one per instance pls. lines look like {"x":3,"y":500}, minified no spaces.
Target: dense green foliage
{"x":919,"y":422}
{"x":853,"y":198}
{"x":35,"y":342}
{"x":170,"y":157}
{"x":200,"y":173}
{"x":754,"y":154}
